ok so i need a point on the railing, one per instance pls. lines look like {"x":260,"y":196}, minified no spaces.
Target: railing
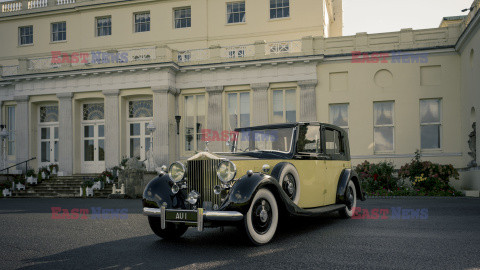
{"x":240,"y":51}
{"x":294,"y":46}
{"x":65,"y":2}
{"x":32,"y":4}
{"x":11,"y":7}
{"x":37,"y":4}
{"x":26,"y":165}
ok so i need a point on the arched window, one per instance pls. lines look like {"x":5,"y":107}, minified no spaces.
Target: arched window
{"x":93,"y":111}
{"x":140,"y":108}
{"x":48,"y":114}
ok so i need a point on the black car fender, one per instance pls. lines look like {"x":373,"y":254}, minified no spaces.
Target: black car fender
{"x":345,"y":176}
{"x":241,"y":194}
{"x":159,"y":191}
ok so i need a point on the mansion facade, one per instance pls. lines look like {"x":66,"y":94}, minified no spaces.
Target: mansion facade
{"x":81,"y":81}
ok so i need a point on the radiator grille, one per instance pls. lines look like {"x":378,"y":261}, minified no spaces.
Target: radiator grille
{"x":202,"y":177}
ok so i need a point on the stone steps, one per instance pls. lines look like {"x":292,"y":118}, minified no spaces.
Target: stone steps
{"x":60,"y":187}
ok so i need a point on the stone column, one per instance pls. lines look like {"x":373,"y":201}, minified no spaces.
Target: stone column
{"x":214,"y":115}
{"x":65,"y":133}
{"x":112,"y":128}
{"x":260,"y":103}
{"x":308,"y":100}
{"x":21,"y":131}
{"x":164,"y":137}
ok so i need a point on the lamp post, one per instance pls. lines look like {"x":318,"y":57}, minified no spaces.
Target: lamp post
{"x":3,"y":137}
{"x":150,"y":159}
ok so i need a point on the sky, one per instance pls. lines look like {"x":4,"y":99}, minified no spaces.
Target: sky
{"x":378,"y":16}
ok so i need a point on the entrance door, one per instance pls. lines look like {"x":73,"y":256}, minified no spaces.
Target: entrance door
{"x":139,"y":140}
{"x":139,"y":115}
{"x":93,"y":138}
{"x":48,"y":145}
{"x":93,"y":147}
{"x":48,"y":135}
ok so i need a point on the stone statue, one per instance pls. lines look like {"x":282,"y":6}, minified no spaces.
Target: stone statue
{"x":472,"y":144}
{"x":132,"y":178}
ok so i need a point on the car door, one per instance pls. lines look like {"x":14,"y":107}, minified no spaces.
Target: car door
{"x":335,"y":151}
{"x":309,"y":167}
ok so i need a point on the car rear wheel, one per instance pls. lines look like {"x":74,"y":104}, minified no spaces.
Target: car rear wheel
{"x":261,"y":220}
{"x":171,"y":231}
{"x":350,"y":201}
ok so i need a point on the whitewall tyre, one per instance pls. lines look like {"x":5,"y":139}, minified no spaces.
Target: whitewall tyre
{"x":350,"y":200}
{"x":261,"y":220}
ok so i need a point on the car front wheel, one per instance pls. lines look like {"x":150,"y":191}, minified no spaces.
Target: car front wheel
{"x":350,"y":201}
{"x":261,"y":220}
{"x":171,"y":231}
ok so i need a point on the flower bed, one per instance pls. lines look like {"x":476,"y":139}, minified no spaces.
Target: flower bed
{"x":417,"y":178}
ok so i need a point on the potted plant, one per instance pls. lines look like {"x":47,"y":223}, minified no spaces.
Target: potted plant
{"x":123,"y":163}
{"x":30,"y":175}
{"x":115,"y":171}
{"x":53,"y":168}
{"x":108,"y":176}
{"x":87,"y":188}
{"x":98,"y":182}
{"x":5,"y":187}
{"x":19,"y":183}
{"x":43,"y":173}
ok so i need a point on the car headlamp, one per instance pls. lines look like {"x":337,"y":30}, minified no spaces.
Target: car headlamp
{"x":226,"y":171}
{"x":177,"y":172}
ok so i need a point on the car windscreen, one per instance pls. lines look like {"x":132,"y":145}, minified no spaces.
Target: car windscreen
{"x":279,"y":140}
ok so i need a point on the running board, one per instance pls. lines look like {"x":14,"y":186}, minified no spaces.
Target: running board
{"x":320,"y":210}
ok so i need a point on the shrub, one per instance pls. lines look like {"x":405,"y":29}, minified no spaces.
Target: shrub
{"x":428,"y":175}
{"x":377,"y":176}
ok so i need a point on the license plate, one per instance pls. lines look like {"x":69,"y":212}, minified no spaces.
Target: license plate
{"x":180,"y":216}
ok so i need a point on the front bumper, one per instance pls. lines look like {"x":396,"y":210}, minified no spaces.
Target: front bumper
{"x":201,"y":216}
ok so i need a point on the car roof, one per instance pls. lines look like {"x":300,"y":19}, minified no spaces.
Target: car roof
{"x":285,"y":125}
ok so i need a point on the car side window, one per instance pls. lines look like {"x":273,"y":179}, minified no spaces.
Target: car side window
{"x":309,"y":141}
{"x":333,"y":142}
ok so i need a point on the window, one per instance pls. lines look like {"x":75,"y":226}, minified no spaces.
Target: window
{"x":104,"y":26}
{"x":25,"y":35}
{"x":309,"y":140}
{"x":339,"y":115}
{"x":59,"y":31}
{"x":238,"y":110}
{"x":48,"y":114}
{"x":140,"y":108}
{"x":236,"y":12}
{"x":383,"y":118}
{"x":430,"y":123}
{"x":284,"y":106}
{"x":183,"y":17}
{"x":142,"y":22}
{"x":279,"y":9}
{"x":195,"y":121}
{"x":11,"y":130}
{"x":333,"y":142}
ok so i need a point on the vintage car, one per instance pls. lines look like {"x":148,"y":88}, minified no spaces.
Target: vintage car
{"x":297,"y":169}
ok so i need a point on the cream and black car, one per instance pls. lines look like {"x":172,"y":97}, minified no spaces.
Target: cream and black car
{"x":272,"y":171}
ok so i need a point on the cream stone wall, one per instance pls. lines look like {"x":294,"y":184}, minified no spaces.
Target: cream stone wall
{"x":208,"y":28}
{"x":358,"y":88}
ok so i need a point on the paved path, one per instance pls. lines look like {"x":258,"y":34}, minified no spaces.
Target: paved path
{"x":448,"y":239}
